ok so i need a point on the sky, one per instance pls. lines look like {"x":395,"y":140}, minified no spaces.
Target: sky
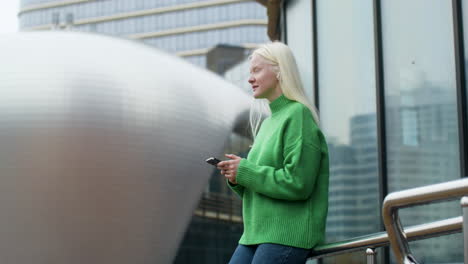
{"x":8,"y":16}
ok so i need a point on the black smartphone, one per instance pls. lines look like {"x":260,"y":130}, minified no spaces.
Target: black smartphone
{"x":213,"y":161}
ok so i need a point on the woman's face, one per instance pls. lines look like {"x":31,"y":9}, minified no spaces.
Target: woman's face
{"x":263,"y":78}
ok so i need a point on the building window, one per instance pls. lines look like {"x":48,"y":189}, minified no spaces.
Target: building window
{"x":346,"y":83}
{"x":419,"y":74}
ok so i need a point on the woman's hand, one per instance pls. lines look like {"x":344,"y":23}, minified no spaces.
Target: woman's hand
{"x":229,"y":167}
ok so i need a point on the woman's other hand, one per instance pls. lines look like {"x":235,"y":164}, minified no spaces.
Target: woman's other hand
{"x":229,"y":167}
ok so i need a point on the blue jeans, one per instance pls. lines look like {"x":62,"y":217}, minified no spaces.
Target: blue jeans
{"x":268,"y":254}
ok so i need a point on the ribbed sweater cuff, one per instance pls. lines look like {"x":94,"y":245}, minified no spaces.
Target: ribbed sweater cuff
{"x":245,"y":173}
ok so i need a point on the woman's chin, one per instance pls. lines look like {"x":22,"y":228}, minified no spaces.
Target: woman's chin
{"x":256,"y":95}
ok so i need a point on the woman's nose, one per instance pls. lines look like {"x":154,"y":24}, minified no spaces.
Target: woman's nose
{"x":251,"y":80}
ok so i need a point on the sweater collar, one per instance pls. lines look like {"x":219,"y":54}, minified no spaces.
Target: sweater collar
{"x":279,"y":103}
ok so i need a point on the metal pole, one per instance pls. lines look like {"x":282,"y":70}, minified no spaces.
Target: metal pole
{"x":371,"y":256}
{"x":464,"y":205}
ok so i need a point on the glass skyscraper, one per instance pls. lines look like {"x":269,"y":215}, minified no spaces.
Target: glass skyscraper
{"x":388,"y":77}
{"x":190,"y":29}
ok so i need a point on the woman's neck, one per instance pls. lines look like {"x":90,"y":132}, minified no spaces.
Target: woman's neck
{"x":275,"y":94}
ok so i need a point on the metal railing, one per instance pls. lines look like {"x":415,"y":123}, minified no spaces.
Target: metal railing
{"x":398,"y":237}
{"x":464,"y":204}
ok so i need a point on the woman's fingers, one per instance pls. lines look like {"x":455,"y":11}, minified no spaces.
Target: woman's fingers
{"x":222,"y":164}
{"x":228,"y":168}
{"x":228,"y":163}
{"x":232,"y":156}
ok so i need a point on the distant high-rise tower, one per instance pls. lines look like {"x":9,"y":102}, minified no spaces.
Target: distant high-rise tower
{"x":188,"y":28}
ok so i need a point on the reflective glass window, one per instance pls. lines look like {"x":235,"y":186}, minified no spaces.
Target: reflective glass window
{"x":465,"y":36}
{"x":346,"y":67}
{"x":421,"y":114}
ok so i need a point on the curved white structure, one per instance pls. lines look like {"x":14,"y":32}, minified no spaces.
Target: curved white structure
{"x":102,"y":147}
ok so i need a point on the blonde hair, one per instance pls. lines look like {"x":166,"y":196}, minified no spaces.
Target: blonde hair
{"x":284,"y":65}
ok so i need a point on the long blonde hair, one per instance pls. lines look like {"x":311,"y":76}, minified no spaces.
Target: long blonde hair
{"x":280,"y":56}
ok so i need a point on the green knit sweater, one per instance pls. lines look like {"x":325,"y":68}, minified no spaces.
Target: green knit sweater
{"x":283,"y":182}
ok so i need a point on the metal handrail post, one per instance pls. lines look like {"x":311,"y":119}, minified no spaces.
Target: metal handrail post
{"x":416,"y":196}
{"x":371,"y":256}
{"x":464,"y":204}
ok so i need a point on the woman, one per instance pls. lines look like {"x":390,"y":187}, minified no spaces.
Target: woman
{"x":283,"y":182}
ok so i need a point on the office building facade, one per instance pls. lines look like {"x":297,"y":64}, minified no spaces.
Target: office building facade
{"x":389,"y":80}
{"x":187,"y":28}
